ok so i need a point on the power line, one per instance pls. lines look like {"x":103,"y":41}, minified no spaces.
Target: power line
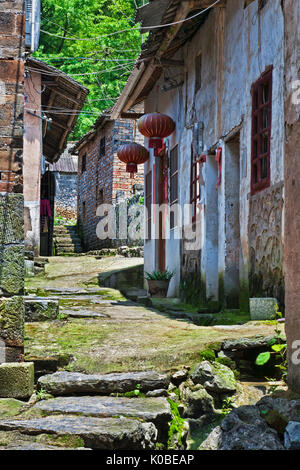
{"x":61,"y":73}
{"x":134,"y":29}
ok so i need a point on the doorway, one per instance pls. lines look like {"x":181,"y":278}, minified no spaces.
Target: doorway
{"x":232,"y":223}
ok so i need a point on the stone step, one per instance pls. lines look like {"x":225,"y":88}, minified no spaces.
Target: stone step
{"x":40,"y":309}
{"x":105,"y":434}
{"x":155,"y":410}
{"x":68,"y":249}
{"x":60,"y":240}
{"x":75,"y":383}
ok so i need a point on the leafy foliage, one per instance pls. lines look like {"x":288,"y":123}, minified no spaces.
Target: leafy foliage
{"x":110,"y":56}
{"x":160,"y":276}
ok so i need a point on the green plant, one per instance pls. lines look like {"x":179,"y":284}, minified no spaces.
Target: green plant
{"x":61,"y":316}
{"x":137,"y":390}
{"x":278,"y":349}
{"x":160,"y":275}
{"x":176,"y":426}
{"x":207,"y":355}
{"x":42,"y":394}
{"x":227,"y":405}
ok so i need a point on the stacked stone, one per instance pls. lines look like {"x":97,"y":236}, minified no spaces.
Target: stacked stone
{"x":106,"y":173}
{"x":11,"y":180}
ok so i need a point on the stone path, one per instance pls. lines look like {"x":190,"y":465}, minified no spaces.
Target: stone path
{"x":99,"y":336}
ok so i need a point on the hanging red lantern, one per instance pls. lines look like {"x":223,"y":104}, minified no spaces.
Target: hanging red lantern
{"x":156,"y":127}
{"x":133,"y":155}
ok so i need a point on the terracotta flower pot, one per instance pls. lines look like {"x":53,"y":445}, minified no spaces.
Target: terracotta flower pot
{"x":158,"y":288}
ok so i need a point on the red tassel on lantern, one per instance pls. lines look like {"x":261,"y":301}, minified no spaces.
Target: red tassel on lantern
{"x":133,"y":155}
{"x":156,"y":127}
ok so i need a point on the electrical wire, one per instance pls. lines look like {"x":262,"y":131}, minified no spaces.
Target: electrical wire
{"x":58,"y":74}
{"x":139,"y":28}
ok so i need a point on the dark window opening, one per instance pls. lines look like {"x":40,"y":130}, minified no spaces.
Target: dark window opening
{"x":198,"y":72}
{"x":102,"y":147}
{"x":83,"y":163}
{"x":148,"y":203}
{"x":261,"y":132}
{"x":173,"y":183}
{"x":100,"y":196}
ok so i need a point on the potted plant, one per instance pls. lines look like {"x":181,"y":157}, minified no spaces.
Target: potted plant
{"x":158,"y":282}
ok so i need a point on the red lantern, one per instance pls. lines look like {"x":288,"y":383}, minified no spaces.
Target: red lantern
{"x":156,"y":127}
{"x":133,"y":155}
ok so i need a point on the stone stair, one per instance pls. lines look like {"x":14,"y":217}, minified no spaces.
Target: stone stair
{"x":93,"y":412}
{"x":66,"y":240}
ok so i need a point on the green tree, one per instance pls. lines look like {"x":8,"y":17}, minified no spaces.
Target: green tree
{"x":105,"y":61}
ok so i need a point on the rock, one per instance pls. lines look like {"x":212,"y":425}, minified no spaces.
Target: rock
{"x":156,"y":410}
{"x":84,"y":314}
{"x":134,"y":294}
{"x":161,"y":392}
{"x":288,"y":409}
{"x":72,"y":383}
{"x":292,"y":436}
{"x":243,"y":429}
{"x":198,"y":403}
{"x":10,"y":407}
{"x":16,"y":379}
{"x":179,"y":377}
{"x":105,"y":434}
{"x":226,"y":360}
{"x":28,"y":445}
{"x":214,"y":377}
{"x":41,"y":310}
{"x":263,"y":308}
{"x":276,"y":421}
{"x":246,"y":343}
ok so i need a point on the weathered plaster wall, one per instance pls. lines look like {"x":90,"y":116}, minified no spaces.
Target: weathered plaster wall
{"x":32,"y":161}
{"x":11,"y":179}
{"x":292,"y":189}
{"x":237,"y":45}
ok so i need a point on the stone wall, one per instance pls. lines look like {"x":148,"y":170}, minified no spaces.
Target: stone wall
{"x":266,"y":245}
{"x":105,"y":179}
{"x":292,"y":189}
{"x":66,"y":195}
{"x":11,"y":178}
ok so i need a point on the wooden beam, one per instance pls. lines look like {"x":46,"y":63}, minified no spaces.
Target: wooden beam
{"x":131,"y":115}
{"x":139,"y":88}
{"x":67,"y":97}
{"x":69,"y":125}
{"x":171,"y":63}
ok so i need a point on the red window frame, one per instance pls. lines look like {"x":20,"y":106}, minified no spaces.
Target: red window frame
{"x":261,"y":132}
{"x":195,"y":189}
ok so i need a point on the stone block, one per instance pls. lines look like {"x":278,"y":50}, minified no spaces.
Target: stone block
{"x":16,"y":380}
{"x":12,"y":269}
{"x":41,"y":310}
{"x":12,"y":219}
{"x":12,"y":320}
{"x":263,"y":308}
{"x":12,"y":71}
{"x":292,"y":436}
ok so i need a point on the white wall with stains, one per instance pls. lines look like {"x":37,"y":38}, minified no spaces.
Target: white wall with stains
{"x":237,"y":45}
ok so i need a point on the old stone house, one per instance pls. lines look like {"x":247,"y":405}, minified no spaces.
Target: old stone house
{"x":48,"y":94}
{"x":220,"y":77}
{"x":229,"y":79}
{"x":102,"y":177}
{"x":65,"y":175}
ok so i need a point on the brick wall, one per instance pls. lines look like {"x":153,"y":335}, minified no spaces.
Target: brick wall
{"x":105,"y":178}
{"x":11,"y":178}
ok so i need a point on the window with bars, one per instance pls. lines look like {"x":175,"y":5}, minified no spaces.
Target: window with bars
{"x":173,"y":183}
{"x":83,"y":163}
{"x":261,"y":132}
{"x":195,"y":184}
{"x":148,"y":203}
{"x":102,"y":147}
